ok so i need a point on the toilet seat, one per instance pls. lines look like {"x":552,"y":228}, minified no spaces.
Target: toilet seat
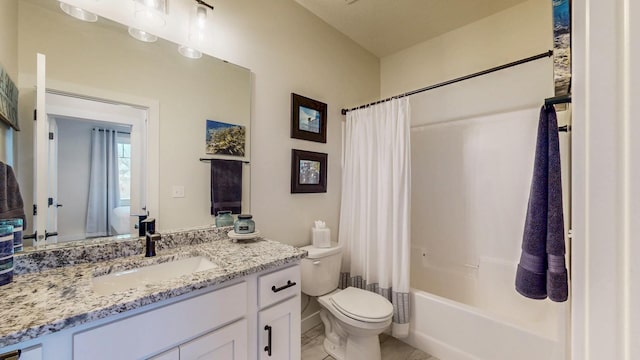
{"x":362,"y":305}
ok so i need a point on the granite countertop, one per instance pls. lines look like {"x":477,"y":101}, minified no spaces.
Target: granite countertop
{"x":53,"y":298}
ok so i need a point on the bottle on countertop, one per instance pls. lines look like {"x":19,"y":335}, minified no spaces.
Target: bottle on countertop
{"x":224,"y":218}
{"x":244,"y":224}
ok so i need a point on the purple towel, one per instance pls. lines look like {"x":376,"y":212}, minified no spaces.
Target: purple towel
{"x":11,"y":205}
{"x":226,"y":186}
{"x":542,"y":271}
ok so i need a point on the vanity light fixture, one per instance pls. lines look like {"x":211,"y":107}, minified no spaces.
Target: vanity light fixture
{"x":142,"y":35}
{"x":78,"y":13}
{"x":197,"y":30}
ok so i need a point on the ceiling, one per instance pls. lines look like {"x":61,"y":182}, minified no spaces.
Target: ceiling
{"x":386,"y":26}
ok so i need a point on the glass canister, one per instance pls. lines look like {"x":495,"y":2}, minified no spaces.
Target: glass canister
{"x":17,"y":232}
{"x":244,"y":224}
{"x":6,"y":254}
{"x":224,"y":218}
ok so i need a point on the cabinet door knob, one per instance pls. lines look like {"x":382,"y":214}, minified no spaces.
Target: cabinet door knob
{"x":288,"y":285}
{"x":268,"y":347}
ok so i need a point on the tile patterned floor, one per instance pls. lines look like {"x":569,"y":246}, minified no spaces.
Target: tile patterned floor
{"x":391,"y":348}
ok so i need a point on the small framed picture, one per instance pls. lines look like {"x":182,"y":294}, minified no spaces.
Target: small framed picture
{"x":225,"y":139}
{"x":308,"y":119}
{"x":308,"y":172}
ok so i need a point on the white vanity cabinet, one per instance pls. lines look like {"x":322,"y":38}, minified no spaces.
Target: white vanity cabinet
{"x":279,"y":315}
{"x":145,"y":334}
{"x":280,"y":331}
{"x":173,"y":354}
{"x":228,"y":343}
{"x":225,"y":322}
{"x":34,"y":353}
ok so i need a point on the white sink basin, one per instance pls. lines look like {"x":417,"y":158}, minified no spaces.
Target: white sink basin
{"x":129,"y":279}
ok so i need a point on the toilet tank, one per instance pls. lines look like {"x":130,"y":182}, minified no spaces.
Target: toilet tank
{"x":321,"y":269}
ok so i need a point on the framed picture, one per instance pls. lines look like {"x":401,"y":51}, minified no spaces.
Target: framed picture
{"x":308,"y":172}
{"x":8,"y":100}
{"x":308,"y":119}
{"x":225,"y":139}
{"x":562,"y":46}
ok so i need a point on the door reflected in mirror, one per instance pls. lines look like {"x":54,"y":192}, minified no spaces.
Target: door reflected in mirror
{"x":91,"y":166}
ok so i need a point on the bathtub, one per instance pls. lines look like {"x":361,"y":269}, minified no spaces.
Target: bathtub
{"x":472,"y":312}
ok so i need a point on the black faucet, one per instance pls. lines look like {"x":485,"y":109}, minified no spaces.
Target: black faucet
{"x":140,"y":226}
{"x":151,"y":237}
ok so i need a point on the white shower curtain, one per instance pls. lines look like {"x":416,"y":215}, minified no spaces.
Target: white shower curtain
{"x":375,"y":209}
{"x":103,"y":183}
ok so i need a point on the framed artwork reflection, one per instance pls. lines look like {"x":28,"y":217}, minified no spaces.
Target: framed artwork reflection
{"x":225,"y":139}
{"x":308,"y":119}
{"x":308,"y":172}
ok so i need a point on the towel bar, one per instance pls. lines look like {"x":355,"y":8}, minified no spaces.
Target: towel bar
{"x":209,"y":159}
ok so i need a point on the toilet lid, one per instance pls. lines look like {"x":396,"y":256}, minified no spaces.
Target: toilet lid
{"x":362,"y":305}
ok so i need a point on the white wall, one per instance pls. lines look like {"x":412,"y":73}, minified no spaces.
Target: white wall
{"x":8,"y":54}
{"x":518,"y":32}
{"x":9,"y":37}
{"x":295,"y":53}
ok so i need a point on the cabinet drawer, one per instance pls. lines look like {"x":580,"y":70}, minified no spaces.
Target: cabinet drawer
{"x":278,"y":286}
{"x":144,"y":334}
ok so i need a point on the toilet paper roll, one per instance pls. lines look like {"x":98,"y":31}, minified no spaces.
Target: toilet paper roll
{"x":321,"y":238}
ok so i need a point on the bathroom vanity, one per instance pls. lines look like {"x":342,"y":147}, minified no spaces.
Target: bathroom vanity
{"x":245,"y":305}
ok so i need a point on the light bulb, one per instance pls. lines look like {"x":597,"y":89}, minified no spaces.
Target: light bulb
{"x":189,"y":52}
{"x":78,"y":13}
{"x":142,"y":35}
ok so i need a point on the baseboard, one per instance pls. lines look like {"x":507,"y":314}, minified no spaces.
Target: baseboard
{"x":310,"y":321}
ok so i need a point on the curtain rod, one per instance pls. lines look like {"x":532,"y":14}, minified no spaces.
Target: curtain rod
{"x":462,"y":78}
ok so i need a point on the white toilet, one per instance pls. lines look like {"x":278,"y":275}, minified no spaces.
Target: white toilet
{"x":353,"y":318}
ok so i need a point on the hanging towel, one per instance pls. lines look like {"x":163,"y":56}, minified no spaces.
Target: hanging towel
{"x":226,"y":186}
{"x":11,"y":204}
{"x":542,"y":271}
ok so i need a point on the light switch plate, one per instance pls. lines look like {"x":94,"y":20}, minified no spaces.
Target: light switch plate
{"x":177,"y":191}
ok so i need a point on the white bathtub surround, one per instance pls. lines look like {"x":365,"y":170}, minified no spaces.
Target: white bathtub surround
{"x":468,"y":217}
{"x":455,"y":331}
{"x":375,"y":210}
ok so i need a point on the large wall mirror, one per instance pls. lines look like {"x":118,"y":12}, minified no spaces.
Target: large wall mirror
{"x":153,"y":102}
